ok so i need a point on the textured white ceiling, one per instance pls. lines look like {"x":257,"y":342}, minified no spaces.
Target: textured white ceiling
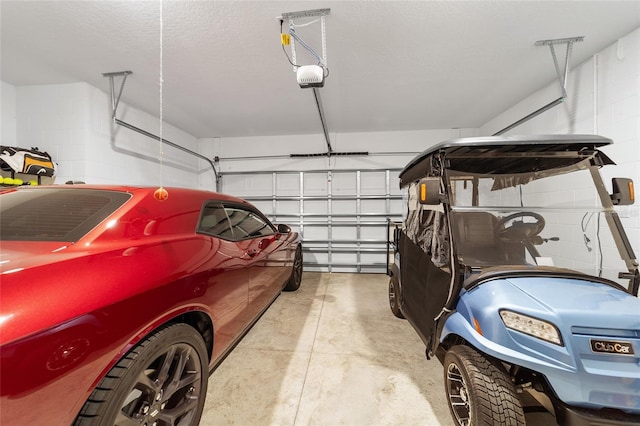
{"x":394,"y":65}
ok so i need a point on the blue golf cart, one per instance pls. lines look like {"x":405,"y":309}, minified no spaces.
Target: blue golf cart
{"x":513,"y":267}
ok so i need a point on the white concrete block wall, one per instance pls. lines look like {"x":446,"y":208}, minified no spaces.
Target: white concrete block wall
{"x":73,"y":123}
{"x":7,"y":114}
{"x":54,"y":119}
{"x":125,"y":156}
{"x":603,"y":99}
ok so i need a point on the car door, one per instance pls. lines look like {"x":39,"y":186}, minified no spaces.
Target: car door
{"x":228,"y":277}
{"x":258,"y":239}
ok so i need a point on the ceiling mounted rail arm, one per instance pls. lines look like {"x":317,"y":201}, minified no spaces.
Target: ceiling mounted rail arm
{"x":316,"y":95}
{"x":115,"y":101}
{"x":562,"y":78}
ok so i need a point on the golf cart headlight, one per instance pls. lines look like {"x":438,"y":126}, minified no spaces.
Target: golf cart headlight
{"x":531,"y":326}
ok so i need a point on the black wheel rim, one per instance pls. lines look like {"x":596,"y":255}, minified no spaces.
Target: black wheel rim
{"x":297,"y":267}
{"x":458,"y":394}
{"x":166,"y":392}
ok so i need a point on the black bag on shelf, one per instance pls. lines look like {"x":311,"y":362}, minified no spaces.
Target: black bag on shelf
{"x":27,"y":161}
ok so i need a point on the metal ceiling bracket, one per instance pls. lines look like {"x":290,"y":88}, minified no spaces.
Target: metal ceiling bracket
{"x":305,"y":14}
{"x":290,"y":16}
{"x":115,"y":101}
{"x":562,"y":78}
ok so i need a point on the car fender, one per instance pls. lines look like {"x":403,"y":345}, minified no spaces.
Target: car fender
{"x":152,"y":326}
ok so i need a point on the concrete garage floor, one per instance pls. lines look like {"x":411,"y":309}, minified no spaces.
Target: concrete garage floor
{"x":331,"y":353}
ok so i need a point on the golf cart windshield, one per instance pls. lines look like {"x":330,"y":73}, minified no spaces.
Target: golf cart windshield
{"x":550,"y":218}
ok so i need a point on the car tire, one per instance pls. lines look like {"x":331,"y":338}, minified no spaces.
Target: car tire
{"x":394,"y":299}
{"x":162,"y":380}
{"x":478,"y":391}
{"x":296,"y":272}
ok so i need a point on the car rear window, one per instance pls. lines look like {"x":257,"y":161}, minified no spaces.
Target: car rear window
{"x":55,"y":214}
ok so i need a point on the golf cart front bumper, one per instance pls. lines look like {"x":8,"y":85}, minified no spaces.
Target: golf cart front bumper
{"x":576,"y":416}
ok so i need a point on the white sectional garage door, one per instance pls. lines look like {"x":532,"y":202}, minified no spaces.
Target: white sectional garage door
{"x":342,"y":215}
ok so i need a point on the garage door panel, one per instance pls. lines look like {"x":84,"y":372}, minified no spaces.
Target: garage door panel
{"x":288,"y":207}
{"x":287,"y":184}
{"x":316,"y":184}
{"x":368,"y":207}
{"x":253,"y":184}
{"x":397,"y":206}
{"x":341,"y":215}
{"x":378,"y":233}
{"x":373,"y":258}
{"x":343,"y":206}
{"x":341,"y":258}
{"x":316,"y":207}
{"x":316,"y":232}
{"x":343,"y":183}
{"x":316,"y":256}
{"x":344,"y":233}
{"x":373,"y":183}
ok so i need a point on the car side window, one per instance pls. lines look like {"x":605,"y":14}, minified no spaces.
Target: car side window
{"x":214,"y":221}
{"x":247,"y":224}
{"x":232,"y":223}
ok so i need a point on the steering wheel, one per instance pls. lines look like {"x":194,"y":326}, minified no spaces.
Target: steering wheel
{"x":519,"y":231}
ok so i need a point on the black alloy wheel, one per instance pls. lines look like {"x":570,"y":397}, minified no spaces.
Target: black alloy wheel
{"x":479,"y":392}
{"x":162,"y":381}
{"x":296,"y":273}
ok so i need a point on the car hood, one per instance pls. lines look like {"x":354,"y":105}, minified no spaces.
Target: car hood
{"x":581,"y":301}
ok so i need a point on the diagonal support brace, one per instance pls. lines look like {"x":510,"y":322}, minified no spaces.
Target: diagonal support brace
{"x":115,"y":101}
{"x":562,"y":78}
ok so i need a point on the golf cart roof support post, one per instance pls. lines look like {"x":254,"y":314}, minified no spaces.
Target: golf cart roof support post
{"x":620,"y":238}
{"x":316,"y":95}
{"x":115,"y":101}
{"x":562,"y":78}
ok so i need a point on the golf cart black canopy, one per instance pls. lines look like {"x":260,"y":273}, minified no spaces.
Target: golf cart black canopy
{"x":508,"y":155}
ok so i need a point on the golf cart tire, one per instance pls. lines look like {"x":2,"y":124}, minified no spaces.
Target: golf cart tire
{"x":485,"y":387}
{"x":394,"y":299}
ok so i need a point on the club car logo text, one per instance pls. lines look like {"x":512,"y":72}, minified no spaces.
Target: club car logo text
{"x":610,"y":347}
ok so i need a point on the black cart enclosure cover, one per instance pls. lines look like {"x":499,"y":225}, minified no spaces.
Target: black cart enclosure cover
{"x":430,"y":273}
{"x":428,"y":284}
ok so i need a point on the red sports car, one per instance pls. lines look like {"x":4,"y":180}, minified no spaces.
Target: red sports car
{"x":115,"y":304}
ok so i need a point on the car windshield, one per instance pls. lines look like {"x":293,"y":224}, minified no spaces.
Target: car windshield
{"x":552,"y":218}
{"x":54,"y":214}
